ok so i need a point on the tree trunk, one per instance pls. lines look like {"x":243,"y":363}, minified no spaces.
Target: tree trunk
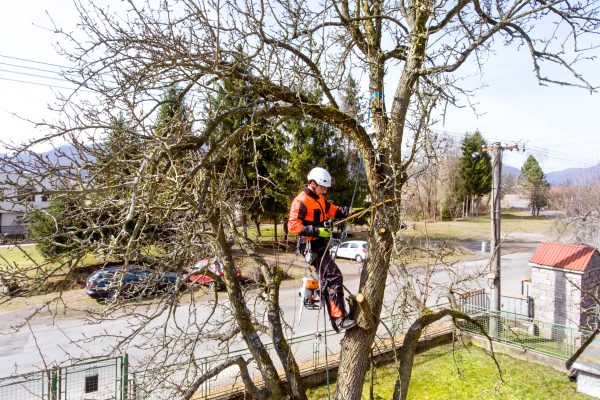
{"x":257,"y":225}
{"x":285,"y":231}
{"x":356,"y":345}
{"x":295,"y":387}
{"x":244,"y":225}
{"x":274,"y":386}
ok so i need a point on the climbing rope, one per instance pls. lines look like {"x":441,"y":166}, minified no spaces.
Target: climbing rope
{"x":360,"y":213}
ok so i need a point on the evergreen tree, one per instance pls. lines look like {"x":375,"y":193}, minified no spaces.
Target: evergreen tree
{"x":59,"y":228}
{"x":534,"y":185}
{"x":172,"y":120}
{"x":475,"y":171}
{"x":352,"y":103}
{"x":314,"y":145}
{"x":256,"y":163}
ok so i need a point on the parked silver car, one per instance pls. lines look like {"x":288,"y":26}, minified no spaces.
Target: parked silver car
{"x":353,"y":249}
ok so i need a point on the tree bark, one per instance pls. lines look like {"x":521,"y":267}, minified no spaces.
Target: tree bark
{"x":243,"y":317}
{"x":357,"y":342}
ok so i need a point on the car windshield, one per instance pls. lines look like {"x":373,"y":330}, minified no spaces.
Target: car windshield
{"x":102,"y":275}
{"x":200,"y":264}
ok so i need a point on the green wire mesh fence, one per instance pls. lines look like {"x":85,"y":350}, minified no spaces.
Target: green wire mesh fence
{"x":555,"y":340}
{"x":98,"y":379}
{"x":109,"y":378}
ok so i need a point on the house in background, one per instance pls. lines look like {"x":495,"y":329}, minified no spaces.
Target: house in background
{"x":562,"y":278}
{"x":15,"y":202}
{"x":586,"y":361}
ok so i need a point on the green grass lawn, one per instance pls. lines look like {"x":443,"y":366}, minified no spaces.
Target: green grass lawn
{"x":470,"y":228}
{"x":20,"y":256}
{"x":479,"y":227}
{"x":468,"y":373}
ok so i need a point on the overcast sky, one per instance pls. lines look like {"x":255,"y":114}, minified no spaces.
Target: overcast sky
{"x":560,"y":126}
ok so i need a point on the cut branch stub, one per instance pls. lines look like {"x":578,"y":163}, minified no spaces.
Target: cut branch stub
{"x":367,"y":322}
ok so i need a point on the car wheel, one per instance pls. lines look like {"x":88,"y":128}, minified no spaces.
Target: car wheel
{"x":112,"y":295}
{"x":171,"y":288}
{"x":358,"y":258}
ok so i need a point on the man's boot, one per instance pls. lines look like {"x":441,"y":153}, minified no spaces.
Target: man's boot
{"x":345,"y":323}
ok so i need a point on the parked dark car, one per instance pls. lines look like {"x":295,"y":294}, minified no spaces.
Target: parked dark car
{"x":112,"y":282}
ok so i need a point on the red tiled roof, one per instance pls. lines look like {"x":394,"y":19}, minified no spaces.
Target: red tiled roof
{"x":567,"y":256}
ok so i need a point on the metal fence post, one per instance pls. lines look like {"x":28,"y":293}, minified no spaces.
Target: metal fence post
{"x":54,"y":385}
{"x":124,"y":377}
{"x":134,"y":386}
{"x":205,"y":368}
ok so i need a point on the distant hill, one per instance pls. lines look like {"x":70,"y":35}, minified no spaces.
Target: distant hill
{"x":574,"y":176}
{"x":508,"y":170}
{"x":62,"y":155}
{"x":571,"y":176}
{"x":66,"y":154}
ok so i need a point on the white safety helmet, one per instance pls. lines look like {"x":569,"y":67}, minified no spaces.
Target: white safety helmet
{"x":319,"y":175}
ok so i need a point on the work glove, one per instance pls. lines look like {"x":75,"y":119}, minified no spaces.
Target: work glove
{"x":324,"y":232}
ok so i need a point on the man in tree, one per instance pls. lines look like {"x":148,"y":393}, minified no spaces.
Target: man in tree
{"x":308,"y":215}
{"x":410,"y":53}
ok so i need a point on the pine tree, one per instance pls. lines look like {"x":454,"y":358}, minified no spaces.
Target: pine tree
{"x":172,"y":120}
{"x":256,"y":163}
{"x":314,"y":145}
{"x":533,"y":183}
{"x":352,"y":103}
{"x":475,"y":171}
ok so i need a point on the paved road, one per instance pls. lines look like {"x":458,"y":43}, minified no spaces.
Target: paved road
{"x":58,"y":339}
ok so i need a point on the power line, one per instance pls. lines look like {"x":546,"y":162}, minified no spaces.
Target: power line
{"x":63,"y":72}
{"x":34,"y":75}
{"x":33,"y":61}
{"x":31,"y":68}
{"x":44,"y":84}
{"x":531,"y":149}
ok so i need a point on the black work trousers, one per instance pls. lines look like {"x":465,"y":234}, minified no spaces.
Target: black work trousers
{"x":331,"y":281}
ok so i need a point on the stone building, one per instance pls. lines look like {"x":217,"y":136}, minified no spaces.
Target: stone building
{"x":586,"y":361}
{"x":563,"y":279}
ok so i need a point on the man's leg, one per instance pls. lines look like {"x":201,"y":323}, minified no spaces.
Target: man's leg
{"x":332,"y":287}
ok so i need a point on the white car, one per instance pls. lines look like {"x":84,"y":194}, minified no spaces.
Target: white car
{"x":353,"y":249}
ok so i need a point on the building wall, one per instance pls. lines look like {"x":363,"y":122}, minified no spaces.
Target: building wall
{"x":588,"y":384}
{"x":591,"y":288}
{"x":10,"y":212}
{"x":556,"y":295}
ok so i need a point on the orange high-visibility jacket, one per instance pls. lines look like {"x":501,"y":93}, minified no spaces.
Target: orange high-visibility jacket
{"x":310,"y":211}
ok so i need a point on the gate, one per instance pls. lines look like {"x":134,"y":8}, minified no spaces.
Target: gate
{"x":510,"y":303}
{"x":96,"y":379}
{"x":100,"y":379}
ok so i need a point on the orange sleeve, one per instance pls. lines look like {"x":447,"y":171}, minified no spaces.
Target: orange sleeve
{"x":332,"y":210}
{"x":295,"y":224}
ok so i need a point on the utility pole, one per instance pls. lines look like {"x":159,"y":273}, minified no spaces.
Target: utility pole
{"x":496,"y":150}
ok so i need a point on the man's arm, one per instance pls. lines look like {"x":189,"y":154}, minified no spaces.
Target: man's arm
{"x":297,"y":214}
{"x":336,"y":212}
